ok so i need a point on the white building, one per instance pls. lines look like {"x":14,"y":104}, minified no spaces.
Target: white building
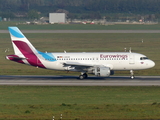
{"x":57,"y":18}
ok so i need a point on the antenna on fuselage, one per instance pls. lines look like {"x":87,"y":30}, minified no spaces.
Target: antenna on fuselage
{"x":130,"y":50}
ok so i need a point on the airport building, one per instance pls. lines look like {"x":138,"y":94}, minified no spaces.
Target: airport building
{"x":57,"y":18}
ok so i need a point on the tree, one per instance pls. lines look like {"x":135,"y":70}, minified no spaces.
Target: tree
{"x":33,"y":14}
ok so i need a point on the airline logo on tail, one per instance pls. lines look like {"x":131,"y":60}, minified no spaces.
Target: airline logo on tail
{"x":16,"y":32}
{"x":24,"y":51}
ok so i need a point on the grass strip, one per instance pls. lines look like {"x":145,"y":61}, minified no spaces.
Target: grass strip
{"x":44,"y":102}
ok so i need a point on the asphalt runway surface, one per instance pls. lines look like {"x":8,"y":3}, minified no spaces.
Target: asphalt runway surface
{"x":86,"y":31}
{"x":74,"y":81}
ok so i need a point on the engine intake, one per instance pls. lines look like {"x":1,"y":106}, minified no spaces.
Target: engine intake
{"x":103,"y":71}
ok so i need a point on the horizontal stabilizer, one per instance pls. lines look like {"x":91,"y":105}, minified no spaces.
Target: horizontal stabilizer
{"x":14,"y":57}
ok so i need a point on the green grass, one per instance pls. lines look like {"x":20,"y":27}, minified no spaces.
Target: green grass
{"x":24,"y":102}
{"x":100,"y":42}
{"x":4,"y":26}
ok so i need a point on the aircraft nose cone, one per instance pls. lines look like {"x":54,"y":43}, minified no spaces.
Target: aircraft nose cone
{"x":152,"y":64}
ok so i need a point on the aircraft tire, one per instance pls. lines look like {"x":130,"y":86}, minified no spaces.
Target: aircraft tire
{"x":132,"y":77}
{"x":81,"y":77}
{"x":85,"y":75}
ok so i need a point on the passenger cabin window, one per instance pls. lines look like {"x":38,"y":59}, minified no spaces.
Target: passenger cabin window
{"x":143,"y":58}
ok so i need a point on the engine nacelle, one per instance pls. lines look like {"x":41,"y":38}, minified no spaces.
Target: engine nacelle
{"x":103,"y":71}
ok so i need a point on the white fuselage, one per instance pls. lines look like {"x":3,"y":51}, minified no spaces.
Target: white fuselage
{"x":113,"y":60}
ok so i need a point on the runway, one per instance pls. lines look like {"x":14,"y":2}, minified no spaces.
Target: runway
{"x":74,"y":81}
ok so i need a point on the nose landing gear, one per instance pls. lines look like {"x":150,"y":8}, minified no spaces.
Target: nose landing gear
{"x":132,"y":74}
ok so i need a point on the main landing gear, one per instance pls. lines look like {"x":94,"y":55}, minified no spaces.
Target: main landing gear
{"x":132,"y":74}
{"x":83,"y":76}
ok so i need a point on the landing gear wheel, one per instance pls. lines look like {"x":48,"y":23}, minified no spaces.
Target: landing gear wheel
{"x":81,"y":77}
{"x":132,"y":77}
{"x":132,"y":74}
{"x":85,"y":75}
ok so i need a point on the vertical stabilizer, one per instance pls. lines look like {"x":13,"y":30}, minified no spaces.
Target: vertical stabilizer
{"x":20,"y":43}
{"x":23,"y":49}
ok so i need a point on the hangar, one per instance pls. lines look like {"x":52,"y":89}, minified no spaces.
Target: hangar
{"x":57,"y":18}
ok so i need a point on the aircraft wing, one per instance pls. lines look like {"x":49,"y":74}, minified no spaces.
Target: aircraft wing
{"x":77,"y":64}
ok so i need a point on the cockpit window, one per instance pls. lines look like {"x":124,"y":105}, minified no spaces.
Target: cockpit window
{"x":143,"y":58}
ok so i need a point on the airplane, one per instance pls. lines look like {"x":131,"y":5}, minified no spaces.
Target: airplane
{"x":102,"y":64}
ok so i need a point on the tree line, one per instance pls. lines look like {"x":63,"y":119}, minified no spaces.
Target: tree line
{"x":79,"y":8}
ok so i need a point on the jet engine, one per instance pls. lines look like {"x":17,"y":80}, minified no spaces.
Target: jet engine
{"x":103,"y":71}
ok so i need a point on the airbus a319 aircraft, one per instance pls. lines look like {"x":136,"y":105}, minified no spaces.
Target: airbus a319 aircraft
{"x":98,"y":63}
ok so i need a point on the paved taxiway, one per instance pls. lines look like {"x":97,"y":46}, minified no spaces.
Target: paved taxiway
{"x":73,"y":81}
